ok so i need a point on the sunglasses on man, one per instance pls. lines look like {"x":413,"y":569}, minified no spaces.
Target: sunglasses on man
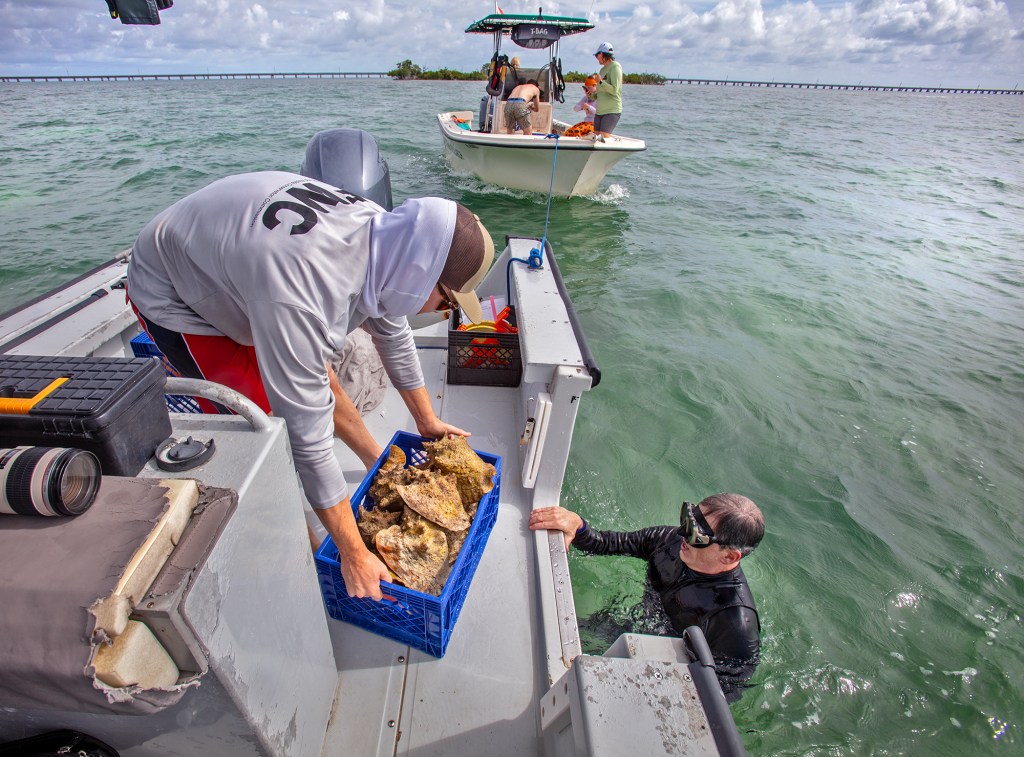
{"x":694,"y":528}
{"x":446,"y":300}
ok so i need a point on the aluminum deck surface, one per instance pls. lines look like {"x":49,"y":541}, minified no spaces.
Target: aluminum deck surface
{"x":483,"y":693}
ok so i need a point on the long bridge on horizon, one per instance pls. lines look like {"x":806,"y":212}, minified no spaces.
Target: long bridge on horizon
{"x":383,"y":75}
{"x":852,"y":87}
{"x":184,"y":77}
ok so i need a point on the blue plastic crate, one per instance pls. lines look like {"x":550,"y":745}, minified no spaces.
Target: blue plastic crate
{"x":142,"y":346}
{"x":417,"y":619}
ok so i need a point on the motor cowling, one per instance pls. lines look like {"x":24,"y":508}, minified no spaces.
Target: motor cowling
{"x":349,"y":159}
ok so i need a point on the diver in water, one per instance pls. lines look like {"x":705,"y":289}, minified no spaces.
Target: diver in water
{"x":694,"y":569}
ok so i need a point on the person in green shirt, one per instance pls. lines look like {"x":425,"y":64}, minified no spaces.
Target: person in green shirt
{"x":609,"y":92}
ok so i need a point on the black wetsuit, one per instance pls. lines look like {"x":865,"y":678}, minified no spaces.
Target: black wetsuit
{"x":721,"y":604}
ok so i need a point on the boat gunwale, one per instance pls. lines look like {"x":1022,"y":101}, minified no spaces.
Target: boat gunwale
{"x":121,"y":257}
{"x":487,"y":139}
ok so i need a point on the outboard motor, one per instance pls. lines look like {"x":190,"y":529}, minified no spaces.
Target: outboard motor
{"x":349,"y":159}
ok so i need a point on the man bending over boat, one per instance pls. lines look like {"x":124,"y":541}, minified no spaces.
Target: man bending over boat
{"x":254,"y":282}
{"x":694,"y":570}
{"x":522,"y":100}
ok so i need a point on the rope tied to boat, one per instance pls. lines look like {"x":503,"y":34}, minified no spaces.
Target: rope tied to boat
{"x":536,"y":258}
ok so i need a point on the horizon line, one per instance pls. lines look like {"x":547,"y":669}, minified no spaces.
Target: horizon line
{"x":17,"y":78}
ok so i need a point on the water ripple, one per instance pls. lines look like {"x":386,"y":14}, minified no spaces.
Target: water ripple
{"x":813,"y":298}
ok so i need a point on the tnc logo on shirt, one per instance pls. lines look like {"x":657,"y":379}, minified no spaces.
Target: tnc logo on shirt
{"x":309,"y":197}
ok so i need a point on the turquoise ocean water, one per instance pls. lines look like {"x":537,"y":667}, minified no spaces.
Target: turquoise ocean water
{"x":812,"y":298}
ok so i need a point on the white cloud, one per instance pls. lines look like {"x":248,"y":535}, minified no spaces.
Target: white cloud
{"x":740,"y":20}
{"x":256,"y":15}
{"x":919,"y":41}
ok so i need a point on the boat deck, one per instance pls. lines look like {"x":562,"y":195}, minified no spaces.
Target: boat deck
{"x":485,"y":690}
{"x":516,"y":631}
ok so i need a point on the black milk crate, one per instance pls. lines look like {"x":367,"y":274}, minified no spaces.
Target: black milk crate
{"x":112,"y":407}
{"x":414,"y":618}
{"x":483,"y":358}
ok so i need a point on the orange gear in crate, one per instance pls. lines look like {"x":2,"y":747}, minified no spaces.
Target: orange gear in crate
{"x":486,"y":356}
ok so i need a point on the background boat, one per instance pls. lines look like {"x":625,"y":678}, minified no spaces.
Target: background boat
{"x":480,"y":144}
{"x":524,"y":162}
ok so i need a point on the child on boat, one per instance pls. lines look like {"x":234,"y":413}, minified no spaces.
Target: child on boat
{"x":587,"y":104}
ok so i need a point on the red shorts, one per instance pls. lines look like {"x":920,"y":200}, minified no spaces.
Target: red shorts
{"x":213,"y":358}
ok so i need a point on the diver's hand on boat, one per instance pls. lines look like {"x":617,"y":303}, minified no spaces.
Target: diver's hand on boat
{"x":363,"y":573}
{"x":556,"y":519}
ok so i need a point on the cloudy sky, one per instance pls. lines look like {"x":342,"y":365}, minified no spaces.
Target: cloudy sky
{"x":964,"y":43}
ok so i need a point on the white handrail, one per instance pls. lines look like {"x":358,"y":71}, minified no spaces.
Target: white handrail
{"x":241,"y":404}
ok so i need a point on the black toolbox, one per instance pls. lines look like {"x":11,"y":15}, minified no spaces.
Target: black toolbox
{"x":112,"y":407}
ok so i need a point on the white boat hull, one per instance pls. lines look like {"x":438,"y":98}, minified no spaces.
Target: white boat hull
{"x":517,"y":161}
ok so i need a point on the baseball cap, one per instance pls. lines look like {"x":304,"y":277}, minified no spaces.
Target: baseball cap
{"x":591,"y":81}
{"x":606,"y":48}
{"x":469,"y":258}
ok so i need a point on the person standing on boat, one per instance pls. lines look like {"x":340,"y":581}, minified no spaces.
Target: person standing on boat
{"x":254,"y":282}
{"x":609,"y":91}
{"x":511,"y":76}
{"x":588,"y":106}
{"x":694,"y":576}
{"x":522,"y":100}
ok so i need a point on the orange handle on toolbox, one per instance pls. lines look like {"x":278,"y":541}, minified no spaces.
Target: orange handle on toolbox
{"x":22,"y":405}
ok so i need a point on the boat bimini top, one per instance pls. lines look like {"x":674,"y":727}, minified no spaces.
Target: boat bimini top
{"x":528,"y":31}
{"x":538,"y":32}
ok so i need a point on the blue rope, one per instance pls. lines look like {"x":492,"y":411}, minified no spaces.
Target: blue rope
{"x":537,"y":255}
{"x":536,"y":259}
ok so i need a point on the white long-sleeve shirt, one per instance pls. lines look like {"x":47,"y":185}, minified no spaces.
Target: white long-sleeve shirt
{"x":290,"y":266}
{"x":588,"y":106}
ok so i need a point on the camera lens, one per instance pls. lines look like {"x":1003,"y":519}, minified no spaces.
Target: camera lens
{"x":47,"y":481}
